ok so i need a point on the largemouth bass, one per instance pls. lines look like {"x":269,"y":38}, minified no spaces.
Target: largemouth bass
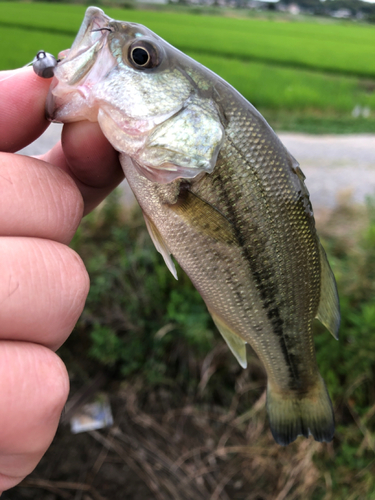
{"x":221,"y":194}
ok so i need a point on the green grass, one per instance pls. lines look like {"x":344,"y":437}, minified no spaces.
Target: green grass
{"x":275,"y":87}
{"x":304,"y":91}
{"x":336,"y":48}
{"x":293,"y":72}
{"x":19,"y":46}
{"x":298,"y":99}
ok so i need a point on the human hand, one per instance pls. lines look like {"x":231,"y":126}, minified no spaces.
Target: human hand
{"x":44,"y":283}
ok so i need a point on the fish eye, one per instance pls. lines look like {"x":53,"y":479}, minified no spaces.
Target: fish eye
{"x":140,"y":56}
{"x":143,"y":55}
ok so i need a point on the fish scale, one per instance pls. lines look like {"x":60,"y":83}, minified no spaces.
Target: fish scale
{"x":286,"y":237}
{"x":237,"y":316}
{"x":222,"y":195}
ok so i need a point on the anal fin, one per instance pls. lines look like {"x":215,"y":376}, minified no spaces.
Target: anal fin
{"x":235,"y":343}
{"x":329,"y":308}
{"x":160,"y":245}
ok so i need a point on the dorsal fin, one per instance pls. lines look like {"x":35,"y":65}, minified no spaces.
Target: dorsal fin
{"x":329,"y":307}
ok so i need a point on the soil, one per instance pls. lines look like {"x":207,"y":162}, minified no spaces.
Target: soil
{"x":192,"y":451}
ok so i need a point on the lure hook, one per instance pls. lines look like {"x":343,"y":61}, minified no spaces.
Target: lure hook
{"x":101,"y":29}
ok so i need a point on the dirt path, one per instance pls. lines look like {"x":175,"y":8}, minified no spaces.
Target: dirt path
{"x":334,"y":165}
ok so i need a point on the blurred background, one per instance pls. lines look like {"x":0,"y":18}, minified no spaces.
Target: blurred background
{"x":187,"y":422}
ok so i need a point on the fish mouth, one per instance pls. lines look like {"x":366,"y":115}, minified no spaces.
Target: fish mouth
{"x":94,"y":24}
{"x":90,"y":39}
{"x":78,"y":70}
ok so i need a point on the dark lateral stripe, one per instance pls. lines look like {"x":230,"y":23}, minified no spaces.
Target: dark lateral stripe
{"x":262,"y":276}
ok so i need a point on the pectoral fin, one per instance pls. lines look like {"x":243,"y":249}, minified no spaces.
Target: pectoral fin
{"x":160,"y":245}
{"x":204,"y":218}
{"x":235,"y":343}
{"x":329,"y":308}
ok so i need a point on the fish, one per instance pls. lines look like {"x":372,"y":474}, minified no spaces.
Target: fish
{"x":221,"y":195}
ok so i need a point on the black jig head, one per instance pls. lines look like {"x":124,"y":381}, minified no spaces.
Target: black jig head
{"x":44,"y":64}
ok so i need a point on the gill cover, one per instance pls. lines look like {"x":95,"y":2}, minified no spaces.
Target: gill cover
{"x":187,"y":139}
{"x":185,"y":145}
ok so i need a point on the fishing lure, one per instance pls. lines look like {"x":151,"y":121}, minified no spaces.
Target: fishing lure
{"x":44,"y":64}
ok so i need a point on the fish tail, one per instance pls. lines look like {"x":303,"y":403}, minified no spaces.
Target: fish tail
{"x":295,"y":414}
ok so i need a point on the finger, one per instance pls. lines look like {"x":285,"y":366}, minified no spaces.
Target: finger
{"x":43,"y":289}
{"x":37,"y":199}
{"x":89,"y":159}
{"x":34,"y":387}
{"x":22,"y":117}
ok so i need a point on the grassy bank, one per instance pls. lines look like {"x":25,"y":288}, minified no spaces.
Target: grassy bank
{"x":334,"y":48}
{"x":304,"y":76}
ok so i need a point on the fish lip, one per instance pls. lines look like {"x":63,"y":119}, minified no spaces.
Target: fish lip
{"x":94,"y":19}
{"x":50,"y":108}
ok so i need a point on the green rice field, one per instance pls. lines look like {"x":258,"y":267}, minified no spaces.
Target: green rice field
{"x":300,"y":75}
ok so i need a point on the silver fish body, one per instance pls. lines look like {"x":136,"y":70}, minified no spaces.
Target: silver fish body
{"x":222,"y":195}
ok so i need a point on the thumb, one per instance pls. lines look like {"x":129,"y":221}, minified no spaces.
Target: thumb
{"x":22,"y":104}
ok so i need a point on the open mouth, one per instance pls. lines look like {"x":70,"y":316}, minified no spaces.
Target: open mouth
{"x":80,"y":68}
{"x":92,"y":31}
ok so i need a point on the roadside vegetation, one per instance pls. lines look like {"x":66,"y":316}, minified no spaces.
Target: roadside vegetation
{"x":305,"y":76}
{"x":189,"y":422}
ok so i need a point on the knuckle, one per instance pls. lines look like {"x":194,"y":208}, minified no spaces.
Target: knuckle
{"x":80,"y":282}
{"x":75,"y":284}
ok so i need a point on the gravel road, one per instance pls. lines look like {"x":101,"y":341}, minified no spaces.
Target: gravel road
{"x":334,"y":165}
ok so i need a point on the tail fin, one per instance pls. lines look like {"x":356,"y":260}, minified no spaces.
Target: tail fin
{"x":301,"y":414}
